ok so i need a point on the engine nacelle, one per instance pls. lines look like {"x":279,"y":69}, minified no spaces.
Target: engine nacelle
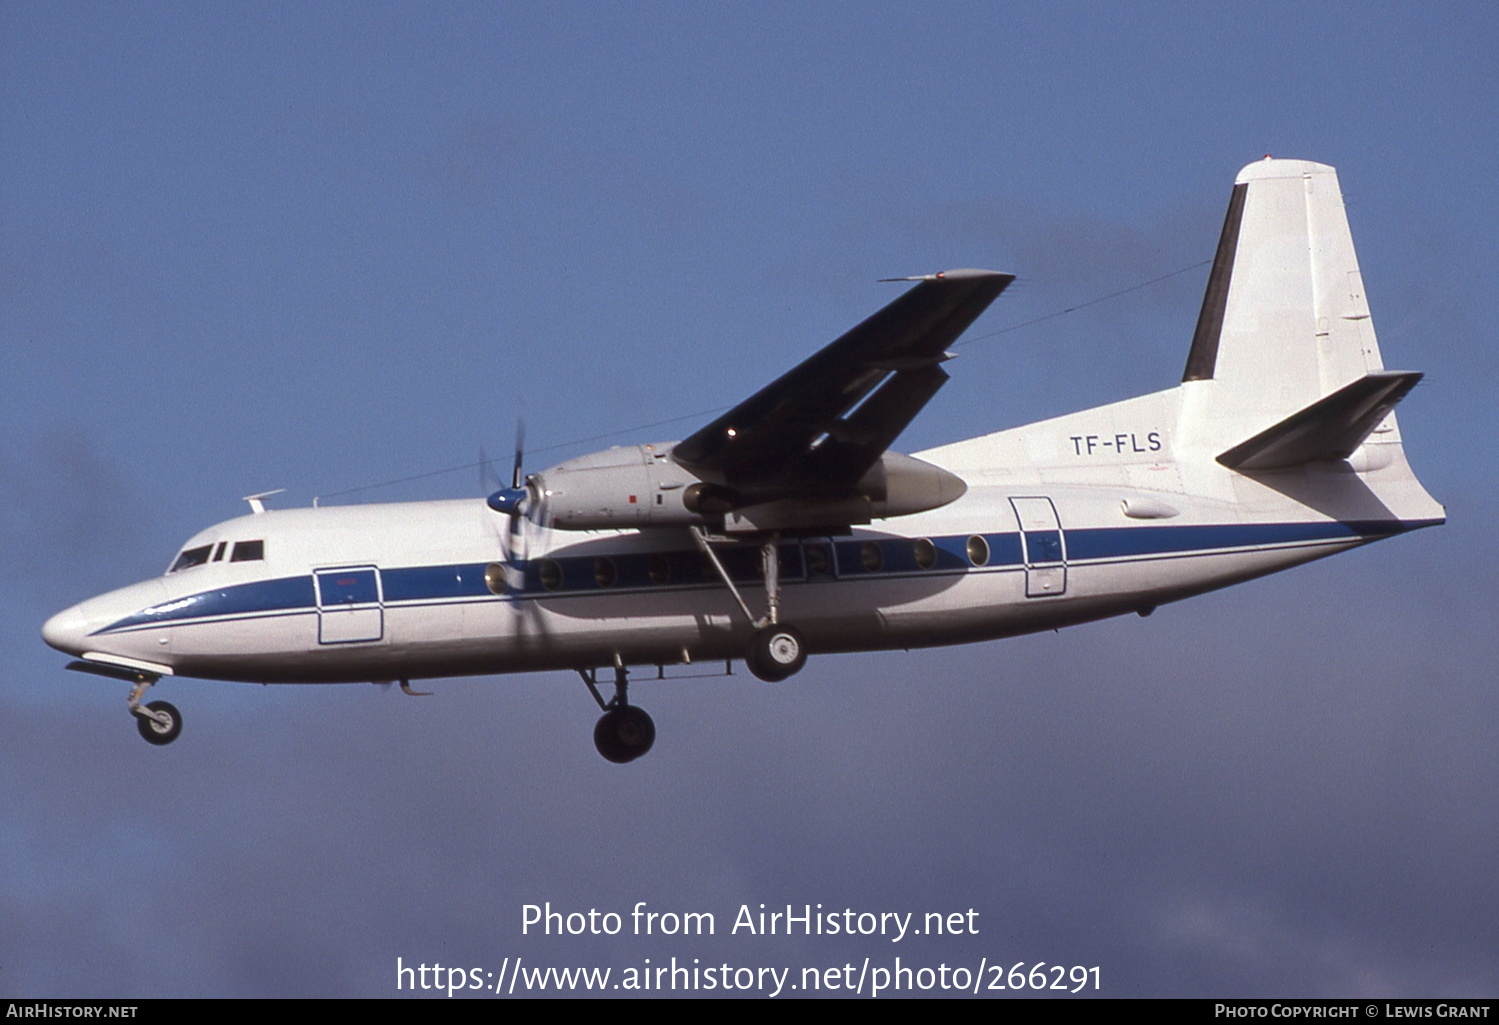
{"x":618,"y":488}
{"x":640,"y":485}
{"x":899,"y":485}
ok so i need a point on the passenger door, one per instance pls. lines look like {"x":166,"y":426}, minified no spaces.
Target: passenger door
{"x":349,"y":605}
{"x":1044,"y":547}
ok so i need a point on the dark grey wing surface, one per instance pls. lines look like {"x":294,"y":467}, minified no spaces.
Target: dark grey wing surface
{"x":803,"y":433}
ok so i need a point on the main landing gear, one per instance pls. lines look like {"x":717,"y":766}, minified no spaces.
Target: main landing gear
{"x":777,"y":650}
{"x":625,"y":731}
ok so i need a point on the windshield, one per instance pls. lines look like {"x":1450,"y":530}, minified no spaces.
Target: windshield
{"x":191,"y":557}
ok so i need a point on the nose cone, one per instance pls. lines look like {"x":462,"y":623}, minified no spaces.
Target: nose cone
{"x":67,"y":630}
{"x":77,"y":630}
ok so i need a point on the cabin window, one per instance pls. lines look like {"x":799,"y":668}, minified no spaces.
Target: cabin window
{"x":248,"y":551}
{"x":494,"y":578}
{"x":604,"y":573}
{"x":978,"y":550}
{"x":551,"y":574}
{"x":818,"y":562}
{"x":925,"y":552}
{"x":191,"y":557}
{"x":871,"y":556}
{"x":658,"y":568}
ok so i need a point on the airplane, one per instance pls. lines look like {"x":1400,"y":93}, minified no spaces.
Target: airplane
{"x":787,"y":526}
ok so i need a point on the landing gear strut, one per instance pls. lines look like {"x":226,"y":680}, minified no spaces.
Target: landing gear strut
{"x":159,"y":722}
{"x":625,"y":731}
{"x":776,"y":651}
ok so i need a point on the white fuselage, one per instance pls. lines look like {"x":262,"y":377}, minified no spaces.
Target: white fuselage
{"x":1064,"y":521}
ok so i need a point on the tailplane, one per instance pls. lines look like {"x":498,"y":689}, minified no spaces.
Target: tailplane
{"x":1330,"y":428}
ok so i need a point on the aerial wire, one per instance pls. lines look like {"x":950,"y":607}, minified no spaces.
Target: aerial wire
{"x":1081,"y":306}
{"x":544,"y":448}
{"x":709,"y":412}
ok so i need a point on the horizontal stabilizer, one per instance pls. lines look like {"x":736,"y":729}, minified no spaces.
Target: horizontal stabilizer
{"x":1330,"y":428}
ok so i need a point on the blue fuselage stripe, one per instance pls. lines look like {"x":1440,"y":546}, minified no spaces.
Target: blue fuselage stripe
{"x":684,"y":569}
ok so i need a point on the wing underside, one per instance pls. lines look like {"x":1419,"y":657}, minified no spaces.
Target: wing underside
{"x":818,"y":428}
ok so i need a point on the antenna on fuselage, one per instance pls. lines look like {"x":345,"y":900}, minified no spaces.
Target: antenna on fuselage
{"x":257,"y":503}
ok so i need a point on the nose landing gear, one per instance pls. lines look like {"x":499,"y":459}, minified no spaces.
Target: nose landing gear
{"x":159,"y":722}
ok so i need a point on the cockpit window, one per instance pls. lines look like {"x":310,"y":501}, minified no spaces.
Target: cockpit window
{"x":191,"y":557}
{"x":248,"y":551}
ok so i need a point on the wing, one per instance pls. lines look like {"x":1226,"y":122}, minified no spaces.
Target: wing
{"x":818,"y":428}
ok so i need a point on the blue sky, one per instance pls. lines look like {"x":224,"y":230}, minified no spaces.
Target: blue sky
{"x":321,"y":247}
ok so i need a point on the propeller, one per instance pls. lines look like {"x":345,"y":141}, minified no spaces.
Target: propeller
{"x":515,"y":502}
{"x":512,"y":500}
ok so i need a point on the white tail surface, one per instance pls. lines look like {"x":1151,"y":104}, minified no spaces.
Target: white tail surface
{"x":1284,"y":395}
{"x":1284,"y":322}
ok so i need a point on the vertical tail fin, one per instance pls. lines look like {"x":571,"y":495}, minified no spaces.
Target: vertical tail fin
{"x":1284,"y":322}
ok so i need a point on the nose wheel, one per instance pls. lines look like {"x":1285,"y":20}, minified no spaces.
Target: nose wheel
{"x":159,"y":722}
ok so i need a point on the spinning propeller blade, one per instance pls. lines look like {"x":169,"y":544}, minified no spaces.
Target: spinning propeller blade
{"x":520,"y":449}
{"x":515,"y":502}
